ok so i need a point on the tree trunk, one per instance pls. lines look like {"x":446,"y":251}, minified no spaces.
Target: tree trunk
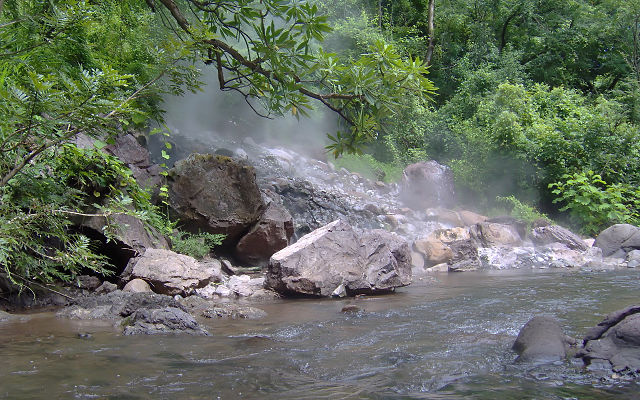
{"x":432,"y":9}
{"x":380,"y":15}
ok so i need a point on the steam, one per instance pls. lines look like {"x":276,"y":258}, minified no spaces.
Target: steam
{"x":216,"y":118}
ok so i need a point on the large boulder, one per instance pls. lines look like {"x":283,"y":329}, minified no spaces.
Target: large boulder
{"x":271,"y":234}
{"x":615,"y":342}
{"x":541,"y":340}
{"x":617,"y":240}
{"x":494,"y":234}
{"x":215,"y":194}
{"x":427,"y":184}
{"x":172,"y":273}
{"x":336,"y":257}
{"x":545,"y":235}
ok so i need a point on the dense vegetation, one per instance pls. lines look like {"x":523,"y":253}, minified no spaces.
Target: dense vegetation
{"x":536,"y":99}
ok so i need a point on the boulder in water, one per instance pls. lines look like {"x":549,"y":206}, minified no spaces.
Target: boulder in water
{"x":541,"y":340}
{"x":374,"y":262}
{"x":615,"y":341}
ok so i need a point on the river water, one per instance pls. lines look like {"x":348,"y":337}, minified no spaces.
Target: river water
{"x":446,"y":337}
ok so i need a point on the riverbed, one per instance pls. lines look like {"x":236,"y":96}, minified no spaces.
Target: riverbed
{"x":444,"y":337}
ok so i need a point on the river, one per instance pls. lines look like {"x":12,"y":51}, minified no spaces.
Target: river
{"x":446,"y":337}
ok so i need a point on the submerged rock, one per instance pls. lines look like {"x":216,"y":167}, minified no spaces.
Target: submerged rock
{"x":374,"y":262}
{"x":541,"y":340}
{"x":162,"y":321}
{"x":615,"y":342}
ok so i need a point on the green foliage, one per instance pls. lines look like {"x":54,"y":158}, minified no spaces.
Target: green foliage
{"x":593,"y":204}
{"x":521,"y":211}
{"x":369,"y":167}
{"x":59,"y":78}
{"x":196,"y":245}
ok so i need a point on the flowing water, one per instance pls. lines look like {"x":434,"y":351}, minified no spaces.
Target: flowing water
{"x":447,"y":337}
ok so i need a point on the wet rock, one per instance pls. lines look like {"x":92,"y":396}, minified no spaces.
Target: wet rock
{"x":494,"y":234}
{"x":615,"y":340}
{"x":427,"y":184}
{"x":233,"y":311}
{"x":215,"y":194}
{"x":541,"y":340}
{"x":137,"y":286}
{"x":465,"y":256}
{"x":5,"y":316}
{"x":507,"y":257}
{"x":172,"y":273}
{"x":114,"y":305}
{"x":556,"y":234}
{"x":351,"y":308}
{"x":519,"y":225}
{"x":334,"y":255}
{"x":168,"y":320}
{"x":445,"y":216}
{"x":271,"y":234}
{"x":618,"y":240}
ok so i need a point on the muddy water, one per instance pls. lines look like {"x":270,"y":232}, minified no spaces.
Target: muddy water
{"x":442,"y":338}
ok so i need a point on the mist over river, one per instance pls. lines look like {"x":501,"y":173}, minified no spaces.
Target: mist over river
{"x":446,"y":337}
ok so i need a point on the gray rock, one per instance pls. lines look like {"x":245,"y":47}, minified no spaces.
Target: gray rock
{"x":615,"y":340}
{"x":106,"y":287}
{"x":168,"y":320}
{"x":541,"y":340}
{"x":334,"y":255}
{"x":465,"y":256}
{"x":215,"y":194}
{"x":114,"y":305}
{"x":617,"y":240}
{"x":633,"y":259}
{"x":87,"y":282}
{"x":545,"y":235}
{"x":172,"y":273}
{"x":5,"y":316}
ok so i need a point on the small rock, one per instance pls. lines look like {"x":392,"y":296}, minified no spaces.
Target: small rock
{"x":162,"y":321}
{"x":106,"y":287}
{"x":340,"y":291}
{"x":350,"y":308}
{"x":137,"y":286}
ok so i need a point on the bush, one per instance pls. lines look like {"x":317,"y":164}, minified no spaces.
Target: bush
{"x":594,"y":205}
{"x":196,"y":245}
